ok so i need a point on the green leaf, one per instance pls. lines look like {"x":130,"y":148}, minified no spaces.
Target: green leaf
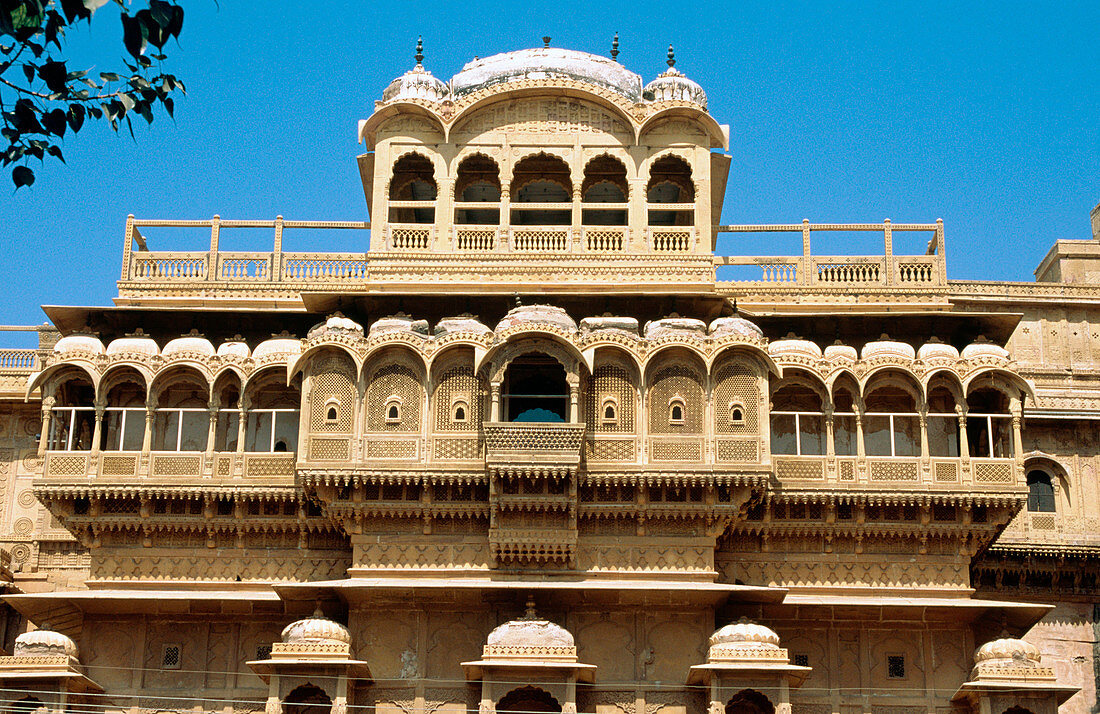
{"x":75,"y":117}
{"x":161,"y":12}
{"x":28,"y":71}
{"x":169,"y":106}
{"x":108,"y":76}
{"x":133,"y":35}
{"x":22,"y":176}
{"x":55,"y":151}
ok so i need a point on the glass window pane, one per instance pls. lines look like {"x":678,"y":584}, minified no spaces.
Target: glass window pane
{"x":906,"y":436}
{"x":225,"y":436}
{"x":943,"y":436}
{"x":194,"y":428}
{"x":977,"y":435}
{"x":783,"y":438}
{"x":1002,"y":437}
{"x":876,"y":435}
{"x":1040,"y":493}
{"x":258,"y":435}
{"x":112,"y":430}
{"x":83,"y":430}
{"x":133,"y":437}
{"x":844,"y":435}
{"x":812,"y":434}
{"x":60,"y":420}
{"x":286,"y":431}
{"x":166,"y":426}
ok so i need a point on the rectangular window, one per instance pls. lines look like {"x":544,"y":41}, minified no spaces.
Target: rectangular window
{"x":876,"y":435}
{"x":225,"y":434}
{"x":271,"y":430}
{"x":171,"y":657}
{"x":895,"y":666}
{"x":123,"y":429}
{"x":943,"y":435}
{"x":784,"y":439}
{"x":844,"y":434}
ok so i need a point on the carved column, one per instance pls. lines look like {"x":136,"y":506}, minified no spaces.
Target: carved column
{"x":147,"y":438}
{"x":445,"y":214}
{"x":575,"y":219}
{"x":97,"y":432}
{"x":636,"y":216}
{"x":861,"y":449}
{"x":494,"y":401}
{"x":1015,"y":408}
{"x":47,"y":416}
{"x":923,"y":417}
{"x":212,"y":430}
{"x":964,"y":442}
{"x":830,"y":446}
{"x":574,"y":397}
{"x":505,"y":214}
{"x":242,"y":416}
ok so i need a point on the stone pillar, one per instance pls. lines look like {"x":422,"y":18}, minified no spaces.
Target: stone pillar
{"x":830,"y":446}
{"x":574,"y":398}
{"x":47,"y":416}
{"x":97,"y":433}
{"x":575,"y":219}
{"x":861,"y":449}
{"x":242,"y":416}
{"x":505,"y":214}
{"x":923,"y":416}
{"x":147,"y":439}
{"x":1016,"y":409}
{"x":494,"y":401}
{"x":964,"y":441}
{"x":212,"y":430}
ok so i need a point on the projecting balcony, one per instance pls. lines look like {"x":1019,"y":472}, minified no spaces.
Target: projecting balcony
{"x":930,"y":474}
{"x":550,"y":447}
{"x":123,"y":467}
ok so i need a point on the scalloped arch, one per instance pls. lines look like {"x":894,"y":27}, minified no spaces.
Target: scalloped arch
{"x":178,"y":372}
{"x":716,"y":132}
{"x":754,"y":352}
{"x":368,"y":128}
{"x":294,"y":366}
{"x":1025,"y":386}
{"x":694,"y":349}
{"x":500,"y":355}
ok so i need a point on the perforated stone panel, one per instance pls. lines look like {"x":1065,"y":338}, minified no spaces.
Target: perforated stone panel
{"x":394,"y":380}
{"x":738,"y":450}
{"x":459,"y":449}
{"x":328,"y":449}
{"x":66,"y":466}
{"x":458,"y":381}
{"x":893,"y":471}
{"x":676,"y":380}
{"x":946,"y":472}
{"x":333,"y":380}
{"x":993,"y":473}
{"x":677,"y":450}
{"x":385,"y":449}
{"x":609,"y":450}
{"x":847,"y":471}
{"x":1043,"y":522}
{"x":177,"y":465}
{"x":610,"y":380}
{"x":799,"y":470}
{"x":119,"y":465}
{"x":269,"y":465}
{"x":736,"y":384}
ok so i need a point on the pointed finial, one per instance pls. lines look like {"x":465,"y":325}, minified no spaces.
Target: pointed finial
{"x":516,"y":297}
{"x":735,"y":307}
{"x":545,"y":40}
{"x":318,"y":613}
{"x":530,"y":614}
{"x":419,"y":49}
{"x":615,"y":47}
{"x":671,"y":61}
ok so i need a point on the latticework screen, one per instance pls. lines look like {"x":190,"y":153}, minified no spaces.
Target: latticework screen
{"x":736,"y":385}
{"x":458,"y":384}
{"x":610,"y":382}
{"x":386,"y":383}
{"x":669,"y":383}
{"x":333,"y":385}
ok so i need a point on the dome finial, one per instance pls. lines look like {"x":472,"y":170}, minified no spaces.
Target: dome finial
{"x":530,"y":614}
{"x":671,"y":61}
{"x":615,"y":47}
{"x":419,"y":49}
{"x":735,"y":306}
{"x":546,"y":40}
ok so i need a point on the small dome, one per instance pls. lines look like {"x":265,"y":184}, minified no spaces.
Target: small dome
{"x":44,"y":642}
{"x":335,"y":324}
{"x":744,"y":631}
{"x":277,"y":346}
{"x":619,"y":324}
{"x":537,"y":314}
{"x":1008,"y":649}
{"x":547,"y":63}
{"x":791,"y":345}
{"x":417,"y":83}
{"x":189,"y":343}
{"x":234,"y":348}
{"x":451,"y":325}
{"x":837,"y":351}
{"x":983,"y":348}
{"x":673,"y":86}
{"x":316,"y":628}
{"x":937,"y":350}
{"x":530,"y":633}
{"x":133,"y":344}
{"x":79,"y":343}
{"x":735,"y":326}
{"x":885,"y":347}
{"x":675,"y":326}
{"x":399,"y":323}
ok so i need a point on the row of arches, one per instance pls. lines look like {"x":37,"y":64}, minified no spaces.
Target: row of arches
{"x":603,"y":191}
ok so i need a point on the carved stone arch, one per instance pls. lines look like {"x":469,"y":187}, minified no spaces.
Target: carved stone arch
{"x":710,"y":127}
{"x":454,"y":382}
{"x":394,"y":376}
{"x":1059,"y":473}
{"x":894,"y":376}
{"x":368,"y":129}
{"x":268,"y":383}
{"x":332,"y":380}
{"x":601,"y":168}
{"x":615,"y":378}
{"x":1005,"y":381}
{"x":736,"y":377}
{"x":672,"y":166}
{"x":180,"y":373}
{"x":471,"y":166}
{"x":528,"y":700}
{"x":408,"y":157}
{"x":658,"y":353}
{"x":297,"y":363}
{"x":612,"y":111}
{"x":229,"y":377}
{"x":803,"y":377}
{"x":846,"y":380}
{"x":676,"y":376}
{"x":562,"y":173}
{"x":749,"y":701}
{"x":944,"y":377}
{"x":122,"y":373}
{"x":548,"y":343}
{"x":308,"y":698}
{"x":56,"y":375}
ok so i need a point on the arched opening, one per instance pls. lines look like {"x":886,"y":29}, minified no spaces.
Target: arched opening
{"x":541,"y":179}
{"x":27,"y":705}
{"x":797,"y":421}
{"x":604,"y":182}
{"x":273,"y":411}
{"x":670,"y":183}
{"x":182,"y":418}
{"x":749,"y":701}
{"x":227,"y":394}
{"x":124,"y":416}
{"x":891,"y":426}
{"x":1040,"y":492}
{"x":527,"y":700}
{"x":942,"y":422}
{"x":535,"y":390}
{"x":988,"y":424}
{"x":477,"y":181}
{"x":845,"y":436}
{"x":307,"y":699}
{"x":413,"y":180}
{"x":72,"y":419}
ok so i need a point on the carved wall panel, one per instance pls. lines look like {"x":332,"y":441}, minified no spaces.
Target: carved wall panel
{"x":674,"y":382}
{"x":385,"y":637}
{"x":541,"y":116}
{"x":454,"y":638}
{"x":607,"y":642}
{"x":333,"y":394}
{"x":394,"y":399}
{"x":611,"y":385}
{"x":458,"y":388}
{"x":673,"y":646}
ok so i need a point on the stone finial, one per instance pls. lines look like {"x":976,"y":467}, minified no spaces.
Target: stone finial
{"x":671,"y":61}
{"x":530,"y":613}
{"x":419,"y":50}
{"x":546,"y":41}
{"x":615,"y":47}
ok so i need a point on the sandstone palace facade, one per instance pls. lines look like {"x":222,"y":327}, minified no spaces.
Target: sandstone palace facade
{"x":552,"y":442}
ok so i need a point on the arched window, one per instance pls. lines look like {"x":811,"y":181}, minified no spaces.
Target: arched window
{"x":124,"y":417}
{"x":891,"y":426}
{"x":749,"y":701}
{"x":460,"y":411}
{"x":413,"y":181}
{"x":737,"y":413}
{"x":227,"y":429}
{"x":273,"y":416}
{"x":307,"y":699}
{"x":393,"y":410}
{"x":610,"y":412}
{"x":670,"y":183}
{"x":797,"y":421}
{"x":477,"y":182}
{"x":72,"y":420}
{"x":845,"y":440}
{"x":1040,"y":492}
{"x":943,"y":422}
{"x":604,"y":182}
{"x":676,"y":410}
{"x":541,"y":179}
{"x":332,"y":414}
{"x":535,"y":389}
{"x":182,"y":418}
{"x":988,"y":424}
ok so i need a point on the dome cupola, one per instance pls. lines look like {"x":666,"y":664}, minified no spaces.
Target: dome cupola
{"x":44,"y":642}
{"x":530,"y":638}
{"x":417,"y":83}
{"x":672,"y":86}
{"x":316,"y":629}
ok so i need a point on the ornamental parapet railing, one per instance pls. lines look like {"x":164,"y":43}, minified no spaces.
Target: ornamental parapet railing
{"x":534,"y":443}
{"x":159,"y":466}
{"x":18,"y":360}
{"x":838,"y":271}
{"x":901,"y":472}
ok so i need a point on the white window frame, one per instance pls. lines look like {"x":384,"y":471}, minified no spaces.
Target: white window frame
{"x":55,"y":412}
{"x":179,"y":424}
{"x":274,"y":416}
{"x":126,"y":413}
{"x":893,"y":447}
{"x":798,"y":431}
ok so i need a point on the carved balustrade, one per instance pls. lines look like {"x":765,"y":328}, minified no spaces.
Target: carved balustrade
{"x":902,"y":473}
{"x":158,"y":466}
{"x":535,"y":444}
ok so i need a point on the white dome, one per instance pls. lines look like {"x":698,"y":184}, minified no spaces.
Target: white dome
{"x":44,"y":642}
{"x":735,"y":326}
{"x":316,"y":629}
{"x":885,"y":347}
{"x":937,"y":350}
{"x":336,"y":324}
{"x":189,"y":343}
{"x":417,"y":83}
{"x":277,"y":346}
{"x":841,"y":352}
{"x":673,"y":86}
{"x":980,"y":348}
{"x":450,"y":325}
{"x":744,"y":631}
{"x":399,"y":323}
{"x":529,"y":633}
{"x":234,"y":348}
{"x":547,"y":63}
{"x":620,"y":324}
{"x":794,"y":346}
{"x":1008,"y":650}
{"x":671,"y":326}
{"x":79,"y":343}
{"x":133,"y":344}
{"x":537,"y":314}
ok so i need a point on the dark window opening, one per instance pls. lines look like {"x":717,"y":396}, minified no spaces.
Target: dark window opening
{"x":1040,"y":492}
{"x":535,"y":390}
{"x":895,"y":666}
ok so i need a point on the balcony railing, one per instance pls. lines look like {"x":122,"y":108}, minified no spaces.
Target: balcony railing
{"x":18,"y":360}
{"x":533,"y":443}
{"x":125,"y":466}
{"x":897,"y":472}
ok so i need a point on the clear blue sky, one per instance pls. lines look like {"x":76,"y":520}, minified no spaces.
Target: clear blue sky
{"x":988,"y":117}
